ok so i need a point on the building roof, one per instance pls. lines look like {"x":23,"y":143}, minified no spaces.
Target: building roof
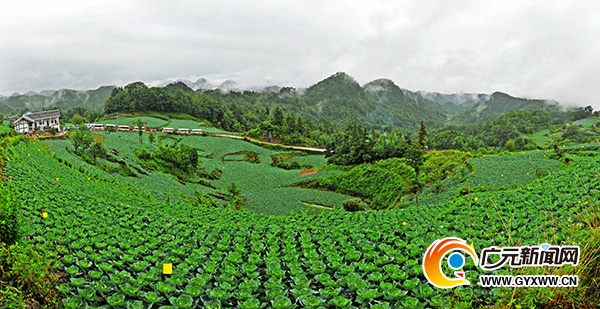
{"x":12,"y":118}
{"x":32,"y":117}
{"x":44,"y":114}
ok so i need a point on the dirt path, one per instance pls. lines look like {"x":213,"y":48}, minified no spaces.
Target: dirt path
{"x":267,"y":143}
{"x":317,"y":205}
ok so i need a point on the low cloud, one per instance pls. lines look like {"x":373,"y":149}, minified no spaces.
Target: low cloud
{"x":547,"y":50}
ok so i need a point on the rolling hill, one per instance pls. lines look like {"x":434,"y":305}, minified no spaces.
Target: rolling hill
{"x":339,"y":99}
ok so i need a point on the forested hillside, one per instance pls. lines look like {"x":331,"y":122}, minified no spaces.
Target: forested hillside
{"x":500,"y":103}
{"x":337,"y":100}
{"x":64,"y":99}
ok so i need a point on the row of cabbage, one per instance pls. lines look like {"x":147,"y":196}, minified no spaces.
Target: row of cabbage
{"x":112,"y":243}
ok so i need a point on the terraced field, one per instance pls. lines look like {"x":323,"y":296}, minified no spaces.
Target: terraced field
{"x":113,"y":240}
{"x":510,"y":171}
{"x":258,"y":182}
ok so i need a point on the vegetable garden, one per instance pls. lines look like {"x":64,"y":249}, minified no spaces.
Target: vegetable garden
{"x":112,"y":240}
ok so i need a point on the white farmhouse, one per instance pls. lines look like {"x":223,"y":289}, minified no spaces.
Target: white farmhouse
{"x":38,"y":121}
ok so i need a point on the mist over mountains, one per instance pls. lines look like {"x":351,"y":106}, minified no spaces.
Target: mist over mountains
{"x":338,"y":98}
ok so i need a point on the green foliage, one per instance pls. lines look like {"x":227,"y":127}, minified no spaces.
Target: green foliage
{"x":6,"y":131}
{"x":10,"y":214}
{"x":31,"y":271}
{"x":510,"y":145}
{"x":77,"y":120}
{"x":351,"y":147}
{"x":151,"y":138}
{"x":233,"y":189}
{"x":333,"y":258}
{"x":181,"y":161}
{"x":282,"y":160}
{"x":354,"y":205}
{"x":82,"y":139}
{"x":97,"y":150}
{"x":501,"y":103}
{"x":494,"y":133}
{"x":510,"y":171}
{"x":422,"y":134}
{"x":11,"y":297}
{"x":379,"y":186}
{"x":440,"y":165}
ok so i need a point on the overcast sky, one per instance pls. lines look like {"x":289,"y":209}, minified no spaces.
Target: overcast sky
{"x":536,"y":49}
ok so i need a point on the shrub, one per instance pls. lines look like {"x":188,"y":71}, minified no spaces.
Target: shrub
{"x":10,"y":297}
{"x":32,"y":273}
{"x":10,"y":214}
{"x":354,"y":204}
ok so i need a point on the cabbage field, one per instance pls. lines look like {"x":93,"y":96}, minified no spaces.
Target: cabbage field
{"x":112,"y":238}
{"x":258,"y":182}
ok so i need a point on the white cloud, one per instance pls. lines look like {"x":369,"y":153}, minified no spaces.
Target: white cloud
{"x":536,"y":49}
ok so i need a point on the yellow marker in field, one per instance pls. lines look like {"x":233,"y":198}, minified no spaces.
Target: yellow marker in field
{"x":403,"y":223}
{"x":28,"y":155}
{"x":168,"y":269}
{"x":476,"y":199}
{"x":472,"y":246}
{"x":56,"y":178}
{"x":44,"y":214}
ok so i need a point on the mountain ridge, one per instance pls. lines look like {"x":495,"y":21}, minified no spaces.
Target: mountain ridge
{"x":338,"y":98}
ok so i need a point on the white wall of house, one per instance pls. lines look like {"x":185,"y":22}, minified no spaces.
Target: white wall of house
{"x":24,"y":126}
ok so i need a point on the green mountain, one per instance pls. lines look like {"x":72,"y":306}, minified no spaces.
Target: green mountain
{"x":455,"y":103}
{"x":64,"y":99}
{"x":338,"y":98}
{"x":500,"y":103}
{"x":399,"y":107}
{"x":378,"y":104}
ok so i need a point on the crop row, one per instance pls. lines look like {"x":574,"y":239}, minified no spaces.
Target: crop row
{"x":112,"y":242}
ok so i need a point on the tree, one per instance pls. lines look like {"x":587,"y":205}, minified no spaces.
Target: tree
{"x":97,"y":150}
{"x":589,"y":110}
{"x":510,"y":145}
{"x":422,"y":134}
{"x":77,"y":119}
{"x":415,"y":154}
{"x":354,"y":146}
{"x":82,"y":139}
{"x":140,"y":130}
{"x":151,"y":138}
{"x":233,"y":190}
{"x":291,"y":122}
{"x":278,"y":117}
{"x":300,"y":125}
{"x":1,"y":119}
